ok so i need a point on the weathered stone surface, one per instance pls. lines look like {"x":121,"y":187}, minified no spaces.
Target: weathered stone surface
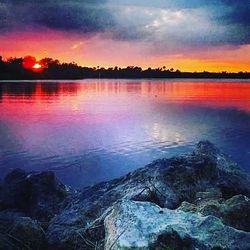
{"x":20,"y":232}
{"x":87,"y":209}
{"x":202,"y":175}
{"x":234,"y":212}
{"x":144,"y":225}
{"x":192,"y":185}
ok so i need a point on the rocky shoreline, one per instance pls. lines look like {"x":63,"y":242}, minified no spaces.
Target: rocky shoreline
{"x":193,"y":201}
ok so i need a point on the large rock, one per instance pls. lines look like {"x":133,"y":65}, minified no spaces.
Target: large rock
{"x":203,"y":174}
{"x":36,"y":194}
{"x":47,"y":193}
{"x":85,"y":211}
{"x":234,"y":212}
{"x":15,"y":191}
{"x":20,"y":232}
{"x":144,"y":225}
{"x":190,"y":187}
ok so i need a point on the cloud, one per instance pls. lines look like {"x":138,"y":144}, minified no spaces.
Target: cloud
{"x":159,"y":25}
{"x":235,"y":12}
{"x":165,"y":24}
{"x":86,"y":18}
{"x":197,"y":23}
{"x":234,"y":17}
{"x":73,"y":15}
{"x":77,"y":45}
{"x":4,"y":17}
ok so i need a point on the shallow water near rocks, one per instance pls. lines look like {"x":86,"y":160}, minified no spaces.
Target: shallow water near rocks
{"x":89,"y":131}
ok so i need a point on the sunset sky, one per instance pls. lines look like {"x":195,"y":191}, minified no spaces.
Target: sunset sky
{"x":193,"y":35}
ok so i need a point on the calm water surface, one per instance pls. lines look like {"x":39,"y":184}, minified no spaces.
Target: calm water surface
{"x":94,"y":130}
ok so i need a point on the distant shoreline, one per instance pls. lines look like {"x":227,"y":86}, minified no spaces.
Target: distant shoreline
{"x":50,"y":69}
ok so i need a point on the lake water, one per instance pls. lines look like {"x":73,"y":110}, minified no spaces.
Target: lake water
{"x":94,"y":130}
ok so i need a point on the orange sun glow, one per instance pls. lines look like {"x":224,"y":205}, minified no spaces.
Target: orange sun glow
{"x":37,"y":66}
{"x":31,"y":63}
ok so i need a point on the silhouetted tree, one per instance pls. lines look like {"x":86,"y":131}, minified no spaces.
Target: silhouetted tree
{"x":13,"y":68}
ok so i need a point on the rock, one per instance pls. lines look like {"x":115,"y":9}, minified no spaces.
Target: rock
{"x":202,"y":175}
{"x":208,"y":207}
{"x":15,"y":191}
{"x":144,"y":225}
{"x":203,"y":187}
{"x":234,"y":212}
{"x":205,"y":168}
{"x":20,"y":232}
{"x":87,"y":209}
{"x":37,"y":194}
{"x":47,"y":192}
{"x":211,"y":193}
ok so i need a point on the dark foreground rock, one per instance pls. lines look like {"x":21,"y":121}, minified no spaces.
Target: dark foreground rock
{"x":20,"y":232}
{"x":36,"y":194}
{"x":28,"y":201}
{"x":194,"y":201}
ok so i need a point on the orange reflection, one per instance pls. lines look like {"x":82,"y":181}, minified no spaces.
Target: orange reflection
{"x":95,"y":94}
{"x":209,"y":93}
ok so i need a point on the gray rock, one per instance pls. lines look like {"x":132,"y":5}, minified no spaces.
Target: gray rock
{"x":189,"y":187}
{"x":234,"y":212}
{"x":144,"y":225}
{"x":211,"y":193}
{"x":203,"y":174}
{"x":86,"y":210}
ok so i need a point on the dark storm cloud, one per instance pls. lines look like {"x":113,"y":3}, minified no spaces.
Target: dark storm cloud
{"x":4,"y":17}
{"x":193,"y":22}
{"x":82,"y":16}
{"x":234,"y":16}
{"x":235,"y":12}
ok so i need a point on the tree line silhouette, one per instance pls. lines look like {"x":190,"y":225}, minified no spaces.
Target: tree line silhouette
{"x":13,"y":69}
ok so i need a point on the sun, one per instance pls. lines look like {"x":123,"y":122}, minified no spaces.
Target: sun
{"x":37,"y":66}
{"x":30,"y":63}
